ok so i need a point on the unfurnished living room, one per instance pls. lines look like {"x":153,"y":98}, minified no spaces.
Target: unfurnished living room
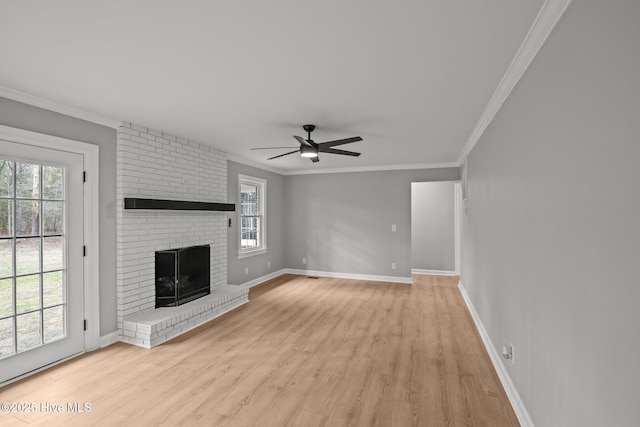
{"x":294,"y":213}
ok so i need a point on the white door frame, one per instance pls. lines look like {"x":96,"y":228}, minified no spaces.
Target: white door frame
{"x":457,"y":207}
{"x":91,"y":210}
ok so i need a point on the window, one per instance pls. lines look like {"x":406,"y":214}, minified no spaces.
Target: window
{"x":32,"y":265}
{"x":253,"y":220}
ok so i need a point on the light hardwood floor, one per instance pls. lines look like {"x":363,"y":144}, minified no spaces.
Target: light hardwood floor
{"x":304,"y":352}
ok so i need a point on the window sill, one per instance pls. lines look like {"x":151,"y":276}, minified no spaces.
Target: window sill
{"x":252,"y":253}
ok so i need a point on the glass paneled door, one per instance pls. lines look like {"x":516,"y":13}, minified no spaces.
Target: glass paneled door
{"x":41,"y":259}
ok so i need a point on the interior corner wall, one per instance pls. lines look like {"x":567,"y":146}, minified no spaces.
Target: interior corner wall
{"x":341,"y":222}
{"x":34,"y":119}
{"x":433,"y":226}
{"x":551,"y":239}
{"x":256,"y":266}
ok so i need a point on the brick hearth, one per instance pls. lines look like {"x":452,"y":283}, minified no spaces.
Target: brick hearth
{"x":150,"y":328}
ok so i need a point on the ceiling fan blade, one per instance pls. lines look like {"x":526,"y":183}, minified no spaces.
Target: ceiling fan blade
{"x":315,"y":159}
{"x":335,"y":151}
{"x":269,"y":148}
{"x":285,"y":154}
{"x":302,"y":141}
{"x":339,"y":142}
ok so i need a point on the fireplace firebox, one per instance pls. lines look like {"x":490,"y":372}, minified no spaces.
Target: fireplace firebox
{"x":182,"y":275}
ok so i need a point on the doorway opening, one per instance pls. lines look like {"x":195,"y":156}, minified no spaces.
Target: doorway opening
{"x":435,"y":237}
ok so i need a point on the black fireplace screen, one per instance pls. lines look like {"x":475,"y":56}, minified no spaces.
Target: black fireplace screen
{"x":182,"y":275}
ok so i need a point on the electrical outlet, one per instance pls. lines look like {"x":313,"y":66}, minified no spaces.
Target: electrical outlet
{"x":393,"y":227}
{"x":507,"y":352}
{"x":268,"y":264}
{"x":304,"y":260}
{"x":393,"y":265}
{"x":246,"y":270}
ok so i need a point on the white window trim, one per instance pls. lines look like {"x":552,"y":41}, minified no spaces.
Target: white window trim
{"x":245,"y":253}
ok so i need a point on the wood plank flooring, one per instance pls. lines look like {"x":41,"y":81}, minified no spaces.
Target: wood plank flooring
{"x":304,"y":352}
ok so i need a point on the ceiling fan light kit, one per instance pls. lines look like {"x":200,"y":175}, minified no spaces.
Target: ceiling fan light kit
{"x":310,"y":149}
{"x":306,"y":151}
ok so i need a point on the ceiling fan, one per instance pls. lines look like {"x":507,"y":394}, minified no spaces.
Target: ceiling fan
{"x":310,"y":149}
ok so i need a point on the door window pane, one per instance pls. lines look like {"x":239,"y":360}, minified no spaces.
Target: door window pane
{"x":6,"y":258}
{"x":52,"y":289}
{"x":52,"y":183}
{"x":28,"y":293}
{"x":27,"y":217}
{"x":29,"y":332}
{"x":52,"y":217}
{"x":28,"y":255}
{"x":6,"y":178}
{"x":6,"y":297}
{"x":6,"y":218}
{"x":6,"y":337}
{"x":27,"y":180}
{"x":53,"y":323}
{"x":52,"y":257}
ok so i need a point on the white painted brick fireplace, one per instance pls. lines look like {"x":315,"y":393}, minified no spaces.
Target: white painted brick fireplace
{"x":152,"y":164}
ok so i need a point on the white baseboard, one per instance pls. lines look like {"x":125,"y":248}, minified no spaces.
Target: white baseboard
{"x":373,"y":278}
{"x":435,"y":272}
{"x":259,"y":280}
{"x":42,"y":368}
{"x":110,"y":338}
{"x":105,"y":340}
{"x":496,"y":360}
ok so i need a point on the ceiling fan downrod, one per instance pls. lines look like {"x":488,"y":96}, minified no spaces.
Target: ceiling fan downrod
{"x":309,"y":129}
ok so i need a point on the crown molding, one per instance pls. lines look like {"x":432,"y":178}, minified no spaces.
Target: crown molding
{"x":246,"y":162}
{"x":36,"y":101}
{"x":549,"y":15}
{"x":373,"y":168}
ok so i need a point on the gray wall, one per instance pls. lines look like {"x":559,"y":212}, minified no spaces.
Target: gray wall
{"x":276,"y":207}
{"x":342,"y":222}
{"x":551,"y":239}
{"x":27,"y":117}
{"x":432,"y":226}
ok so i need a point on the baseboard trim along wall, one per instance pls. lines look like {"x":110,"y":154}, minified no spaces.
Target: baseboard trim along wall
{"x":373,"y":278}
{"x":259,"y":280}
{"x":435,"y":272}
{"x":40,"y":369}
{"x":108,"y":339}
{"x":496,"y":360}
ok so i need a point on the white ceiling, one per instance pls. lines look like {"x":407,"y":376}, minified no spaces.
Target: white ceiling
{"x":412,"y":77}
